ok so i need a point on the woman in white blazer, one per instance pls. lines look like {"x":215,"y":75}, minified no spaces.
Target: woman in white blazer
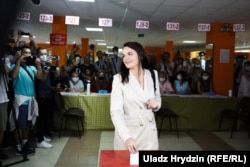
{"x":133,"y":101}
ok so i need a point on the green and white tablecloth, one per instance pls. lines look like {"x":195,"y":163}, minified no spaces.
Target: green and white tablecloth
{"x":196,"y":112}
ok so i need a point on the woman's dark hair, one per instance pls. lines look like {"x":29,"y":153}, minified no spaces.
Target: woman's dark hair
{"x":143,"y":60}
{"x":183,"y":74}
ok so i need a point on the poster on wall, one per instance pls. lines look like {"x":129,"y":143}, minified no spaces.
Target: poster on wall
{"x":58,"y":39}
{"x":224,"y":56}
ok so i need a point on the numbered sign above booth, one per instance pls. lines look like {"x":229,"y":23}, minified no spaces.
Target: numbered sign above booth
{"x":203,"y":27}
{"x":105,"y":22}
{"x":46,"y":18}
{"x":239,"y":27}
{"x":173,"y":26}
{"x":72,"y":20}
{"x":140,"y":24}
{"x":23,"y":16}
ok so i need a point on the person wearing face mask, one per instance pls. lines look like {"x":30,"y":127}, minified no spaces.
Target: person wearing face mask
{"x":44,"y":95}
{"x":115,"y":61}
{"x":244,"y":84}
{"x":101,"y":84}
{"x":165,"y":85}
{"x":23,"y":76}
{"x":76,"y":85}
{"x":167,"y":65}
{"x":195,"y":76}
{"x":181,"y":84}
{"x":204,"y":85}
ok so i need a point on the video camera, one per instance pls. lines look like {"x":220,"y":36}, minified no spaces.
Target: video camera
{"x":30,"y":61}
{"x":54,"y":57}
{"x":47,"y":65}
{"x":20,"y":32}
{"x":51,"y":67}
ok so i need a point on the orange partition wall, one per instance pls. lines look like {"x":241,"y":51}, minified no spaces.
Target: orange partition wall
{"x":223,"y":65}
{"x":154,"y":51}
{"x":170,"y":48}
{"x":59,"y":27}
{"x":85,"y":46}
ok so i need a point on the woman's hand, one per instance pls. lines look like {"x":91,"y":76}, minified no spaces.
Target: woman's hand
{"x":152,"y":104}
{"x":130,"y":143}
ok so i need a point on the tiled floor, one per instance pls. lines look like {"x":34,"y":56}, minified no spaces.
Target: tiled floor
{"x":75,"y":152}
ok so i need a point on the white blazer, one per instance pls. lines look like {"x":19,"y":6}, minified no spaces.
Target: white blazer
{"x":129,"y":114}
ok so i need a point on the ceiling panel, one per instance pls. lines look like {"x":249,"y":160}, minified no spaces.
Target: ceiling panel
{"x":125,"y":12}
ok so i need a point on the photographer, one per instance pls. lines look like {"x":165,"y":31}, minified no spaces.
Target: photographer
{"x":23,"y":73}
{"x":44,"y":96}
{"x":21,"y":43}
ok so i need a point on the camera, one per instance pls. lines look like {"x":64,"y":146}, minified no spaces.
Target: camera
{"x":20,"y":32}
{"x":54,"y":57}
{"x":30,"y":61}
{"x":48,"y":65}
{"x":52,"y":68}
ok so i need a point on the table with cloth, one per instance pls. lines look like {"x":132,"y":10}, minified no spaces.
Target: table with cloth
{"x":195,"y":111}
{"x":199,"y":112}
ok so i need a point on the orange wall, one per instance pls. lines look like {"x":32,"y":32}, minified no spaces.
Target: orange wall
{"x":154,"y":51}
{"x":59,"y":27}
{"x":222,"y":72}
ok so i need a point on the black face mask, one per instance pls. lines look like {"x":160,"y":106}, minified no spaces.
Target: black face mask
{"x":101,"y":78}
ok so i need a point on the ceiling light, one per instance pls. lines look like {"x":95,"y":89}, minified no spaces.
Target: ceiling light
{"x":101,"y":44}
{"x":100,"y":40}
{"x":189,"y":41}
{"x":110,"y":47}
{"x":93,"y":29}
{"x":82,"y":0}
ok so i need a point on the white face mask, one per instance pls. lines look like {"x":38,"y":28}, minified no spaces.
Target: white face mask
{"x":184,"y":63}
{"x":43,"y":58}
{"x":75,"y":79}
{"x":179,"y":77}
{"x":205,"y":77}
{"x":162,"y":79}
{"x":115,"y":53}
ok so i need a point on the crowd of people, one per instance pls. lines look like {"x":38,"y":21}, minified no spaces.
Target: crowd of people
{"x":30,"y":78}
{"x":29,"y":81}
{"x":184,"y":76}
